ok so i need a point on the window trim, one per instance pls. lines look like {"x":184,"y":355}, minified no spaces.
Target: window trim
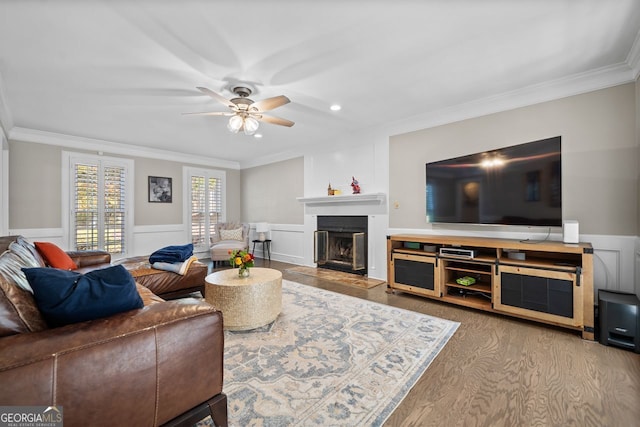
{"x":68,"y":159}
{"x":4,"y":184}
{"x":187,"y":173}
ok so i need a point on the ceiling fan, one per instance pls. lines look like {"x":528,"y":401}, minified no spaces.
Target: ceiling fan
{"x":246,"y":113}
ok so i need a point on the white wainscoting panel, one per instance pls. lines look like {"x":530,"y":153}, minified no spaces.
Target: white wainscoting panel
{"x":146,"y":239}
{"x":53,"y":235}
{"x":606,"y":269}
{"x":149,"y":238}
{"x":613,"y":262}
{"x":377,"y":253}
{"x":286,"y":243}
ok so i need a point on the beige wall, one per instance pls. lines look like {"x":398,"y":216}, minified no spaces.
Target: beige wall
{"x":157,"y":213}
{"x":600,"y":157}
{"x":35,"y":186}
{"x":234,"y":195}
{"x":171,"y":213}
{"x":269,"y":192}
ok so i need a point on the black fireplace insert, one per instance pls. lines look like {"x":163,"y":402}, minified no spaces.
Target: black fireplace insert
{"x":341,"y":243}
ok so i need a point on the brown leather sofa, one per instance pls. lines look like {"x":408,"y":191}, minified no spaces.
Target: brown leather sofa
{"x":158,"y":365}
{"x":165,"y":284}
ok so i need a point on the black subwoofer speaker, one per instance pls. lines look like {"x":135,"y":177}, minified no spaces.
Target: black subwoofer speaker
{"x":619,"y":319}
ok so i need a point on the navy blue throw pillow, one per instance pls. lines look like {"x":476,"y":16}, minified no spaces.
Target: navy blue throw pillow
{"x":65,"y":297}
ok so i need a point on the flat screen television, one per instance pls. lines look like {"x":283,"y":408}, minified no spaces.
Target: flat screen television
{"x":517,"y":185}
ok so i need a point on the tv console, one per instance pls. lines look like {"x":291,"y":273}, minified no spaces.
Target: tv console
{"x":552,"y":282}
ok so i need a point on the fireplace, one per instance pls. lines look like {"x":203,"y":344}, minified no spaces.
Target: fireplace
{"x":340,"y":243}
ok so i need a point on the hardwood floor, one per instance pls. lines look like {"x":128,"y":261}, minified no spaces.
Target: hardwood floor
{"x":501,"y":371}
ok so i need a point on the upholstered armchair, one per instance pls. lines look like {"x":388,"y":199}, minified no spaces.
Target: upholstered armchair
{"x":228,"y":236}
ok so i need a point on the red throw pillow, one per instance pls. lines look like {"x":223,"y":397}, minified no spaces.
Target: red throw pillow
{"x":54,"y":256}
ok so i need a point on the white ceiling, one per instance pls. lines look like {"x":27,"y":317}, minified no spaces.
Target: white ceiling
{"x":125,"y":71}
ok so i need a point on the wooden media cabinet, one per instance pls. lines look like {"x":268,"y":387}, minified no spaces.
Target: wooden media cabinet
{"x":544,"y":281}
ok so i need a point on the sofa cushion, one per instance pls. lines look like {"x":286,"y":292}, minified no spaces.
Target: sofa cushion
{"x":90,"y":258}
{"x":68,"y":297}
{"x":166,"y":284}
{"x":148,"y":297}
{"x":54,"y":256}
{"x":235,"y":234}
{"x":18,"y":310}
{"x":223,"y":249}
{"x":33,"y":254}
{"x":11,"y":265}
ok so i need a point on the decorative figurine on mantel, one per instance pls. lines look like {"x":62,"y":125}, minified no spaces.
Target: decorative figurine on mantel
{"x":330,"y":191}
{"x":355,"y":185}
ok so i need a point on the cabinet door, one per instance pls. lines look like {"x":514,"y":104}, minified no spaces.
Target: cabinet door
{"x":415,"y":274}
{"x":321,"y":247}
{"x":551,"y":296}
{"x":359,"y":251}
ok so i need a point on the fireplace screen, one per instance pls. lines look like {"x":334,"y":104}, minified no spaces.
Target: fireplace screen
{"x":343,"y":250}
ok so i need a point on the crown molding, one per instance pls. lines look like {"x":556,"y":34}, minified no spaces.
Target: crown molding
{"x":100,"y":146}
{"x":577,"y":84}
{"x":633,"y":58}
{"x":271,"y":158}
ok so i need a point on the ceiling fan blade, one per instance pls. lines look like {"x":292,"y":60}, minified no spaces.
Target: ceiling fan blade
{"x":270,"y":103}
{"x":274,"y":120}
{"x":221,"y":99}
{"x":209,"y":113}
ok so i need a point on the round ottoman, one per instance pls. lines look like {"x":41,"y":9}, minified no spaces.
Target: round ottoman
{"x":245,"y":302}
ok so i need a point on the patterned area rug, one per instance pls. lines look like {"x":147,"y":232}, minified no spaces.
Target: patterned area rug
{"x":328,"y":360}
{"x":338,"y":276}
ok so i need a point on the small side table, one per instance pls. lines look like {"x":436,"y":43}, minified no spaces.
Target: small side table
{"x":265,"y":244}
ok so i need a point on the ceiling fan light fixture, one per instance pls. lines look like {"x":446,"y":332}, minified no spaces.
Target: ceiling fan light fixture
{"x":250,"y":125}
{"x":246,"y":114}
{"x":235,"y":123}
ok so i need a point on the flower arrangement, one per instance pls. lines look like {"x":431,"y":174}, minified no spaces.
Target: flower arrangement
{"x":242,"y":260}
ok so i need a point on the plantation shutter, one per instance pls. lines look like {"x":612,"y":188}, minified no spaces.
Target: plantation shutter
{"x":114,"y":209}
{"x":206,"y":198}
{"x":98,"y":199}
{"x":85,"y":210}
{"x":198,"y":211}
{"x":215,"y":203}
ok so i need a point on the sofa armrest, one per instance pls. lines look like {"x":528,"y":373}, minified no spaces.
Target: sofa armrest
{"x":141,"y":367}
{"x":88,"y":258}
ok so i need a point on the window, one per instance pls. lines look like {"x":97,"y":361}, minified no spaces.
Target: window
{"x":98,"y":196}
{"x":205,"y":203}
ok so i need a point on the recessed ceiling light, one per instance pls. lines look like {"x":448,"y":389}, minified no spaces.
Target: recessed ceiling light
{"x":335,"y":107}
{"x":257,"y":135}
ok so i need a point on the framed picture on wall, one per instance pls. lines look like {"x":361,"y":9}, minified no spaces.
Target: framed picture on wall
{"x":160,"y":189}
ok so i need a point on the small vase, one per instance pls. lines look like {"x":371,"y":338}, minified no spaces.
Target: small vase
{"x":243,"y":272}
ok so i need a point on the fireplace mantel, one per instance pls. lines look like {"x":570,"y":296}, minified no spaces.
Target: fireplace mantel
{"x":369,"y":198}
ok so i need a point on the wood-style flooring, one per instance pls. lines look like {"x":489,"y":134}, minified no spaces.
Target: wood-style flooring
{"x":502,"y":371}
